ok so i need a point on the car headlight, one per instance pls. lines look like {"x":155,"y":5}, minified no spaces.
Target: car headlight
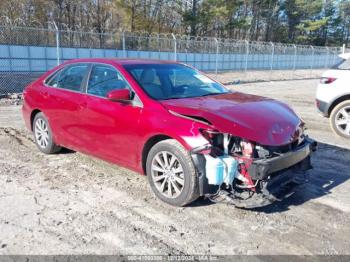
{"x":300,"y":133}
{"x":210,"y":134}
{"x":228,"y":144}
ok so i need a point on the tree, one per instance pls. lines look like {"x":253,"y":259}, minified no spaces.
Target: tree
{"x":317,"y":22}
{"x":344,"y":25}
{"x":304,"y":19}
{"x":191,"y":18}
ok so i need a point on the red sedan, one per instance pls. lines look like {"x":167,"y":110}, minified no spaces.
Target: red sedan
{"x":188,"y":133}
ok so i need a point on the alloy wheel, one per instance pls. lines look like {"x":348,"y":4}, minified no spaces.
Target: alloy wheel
{"x":167,"y":174}
{"x":41,"y":132}
{"x":342,"y":120}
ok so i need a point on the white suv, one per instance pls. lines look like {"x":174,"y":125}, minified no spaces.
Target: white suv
{"x":333,"y":96}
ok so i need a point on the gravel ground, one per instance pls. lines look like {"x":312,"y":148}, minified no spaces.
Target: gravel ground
{"x":70,"y":203}
{"x":265,"y":75}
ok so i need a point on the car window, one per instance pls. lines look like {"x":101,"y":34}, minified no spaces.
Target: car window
{"x":173,"y":81}
{"x":344,"y":64}
{"x":183,"y":77}
{"x":71,"y":77}
{"x":52,"y":80}
{"x":104,"y":79}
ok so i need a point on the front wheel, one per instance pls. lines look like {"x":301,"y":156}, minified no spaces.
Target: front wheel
{"x":43,"y":135}
{"x":171,"y":173}
{"x":340,"y":119}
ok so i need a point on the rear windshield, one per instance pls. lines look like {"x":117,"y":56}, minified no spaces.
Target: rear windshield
{"x":344,"y":64}
{"x":173,"y":81}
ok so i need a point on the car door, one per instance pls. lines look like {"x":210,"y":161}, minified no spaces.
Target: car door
{"x":111,"y":128}
{"x":66,"y":103}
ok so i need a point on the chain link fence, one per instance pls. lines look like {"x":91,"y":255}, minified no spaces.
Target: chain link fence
{"x":25,"y":53}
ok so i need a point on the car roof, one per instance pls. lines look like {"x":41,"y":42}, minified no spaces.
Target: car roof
{"x":345,"y":56}
{"x":121,"y":61}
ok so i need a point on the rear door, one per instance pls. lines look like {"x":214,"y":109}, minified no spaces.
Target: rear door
{"x":67,"y":101}
{"x":112,"y":128}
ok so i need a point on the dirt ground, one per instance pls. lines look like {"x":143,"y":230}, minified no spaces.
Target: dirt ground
{"x":70,"y":203}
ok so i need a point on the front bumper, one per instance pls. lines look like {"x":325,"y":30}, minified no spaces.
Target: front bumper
{"x":277,"y":176}
{"x":322,"y":107}
{"x":273,"y":189}
{"x":260,"y":169}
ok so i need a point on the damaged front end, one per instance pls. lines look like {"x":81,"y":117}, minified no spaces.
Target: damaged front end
{"x":247,"y":174}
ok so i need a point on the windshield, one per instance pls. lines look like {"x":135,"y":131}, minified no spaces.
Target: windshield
{"x":173,"y":81}
{"x":344,"y":64}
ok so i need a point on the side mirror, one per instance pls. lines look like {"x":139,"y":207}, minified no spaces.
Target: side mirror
{"x":119,"y":95}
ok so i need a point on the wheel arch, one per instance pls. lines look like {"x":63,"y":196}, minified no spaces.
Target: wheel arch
{"x":154,"y":139}
{"x":148,"y":145}
{"x":32,"y":116}
{"x":337,"y":101}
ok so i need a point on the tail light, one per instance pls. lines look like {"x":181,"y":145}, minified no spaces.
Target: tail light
{"x":317,"y":103}
{"x":327,"y":80}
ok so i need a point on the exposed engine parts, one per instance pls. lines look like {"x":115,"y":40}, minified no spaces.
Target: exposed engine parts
{"x":247,"y":174}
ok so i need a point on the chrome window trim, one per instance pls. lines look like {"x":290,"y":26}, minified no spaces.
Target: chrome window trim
{"x":136,"y":102}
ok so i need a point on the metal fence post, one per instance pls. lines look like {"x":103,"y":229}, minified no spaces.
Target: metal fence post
{"x":246,"y":55}
{"x":216,"y":55}
{"x":76,"y":52}
{"x":294,"y":60}
{"x":272,"y":55}
{"x":175,"y":47}
{"x":272,"y":58}
{"x":29,"y":59}
{"x":159,"y":46}
{"x":123,"y":43}
{"x":57,"y":43}
{"x":334,"y":58}
{"x":295,"y":57}
{"x":10,"y":57}
{"x":46,"y":60}
{"x":115,"y":44}
{"x":312,"y":59}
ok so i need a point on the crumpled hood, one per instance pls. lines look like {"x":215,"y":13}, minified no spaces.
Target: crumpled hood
{"x":262,"y":120}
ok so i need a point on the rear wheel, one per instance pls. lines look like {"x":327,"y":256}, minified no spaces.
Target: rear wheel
{"x":43,"y":135}
{"x":171,"y":173}
{"x":340,"y":119}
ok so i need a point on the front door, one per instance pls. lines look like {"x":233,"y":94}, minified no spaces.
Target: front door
{"x":111,"y":128}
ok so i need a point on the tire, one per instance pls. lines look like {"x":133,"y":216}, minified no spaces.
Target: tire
{"x":43,"y":135}
{"x":188,"y":190}
{"x":341,"y":114}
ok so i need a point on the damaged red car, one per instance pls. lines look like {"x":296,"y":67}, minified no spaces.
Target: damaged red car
{"x":190,"y":135}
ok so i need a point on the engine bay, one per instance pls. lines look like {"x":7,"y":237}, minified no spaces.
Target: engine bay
{"x":247,"y":174}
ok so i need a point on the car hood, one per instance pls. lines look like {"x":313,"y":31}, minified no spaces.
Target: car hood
{"x":262,"y":120}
